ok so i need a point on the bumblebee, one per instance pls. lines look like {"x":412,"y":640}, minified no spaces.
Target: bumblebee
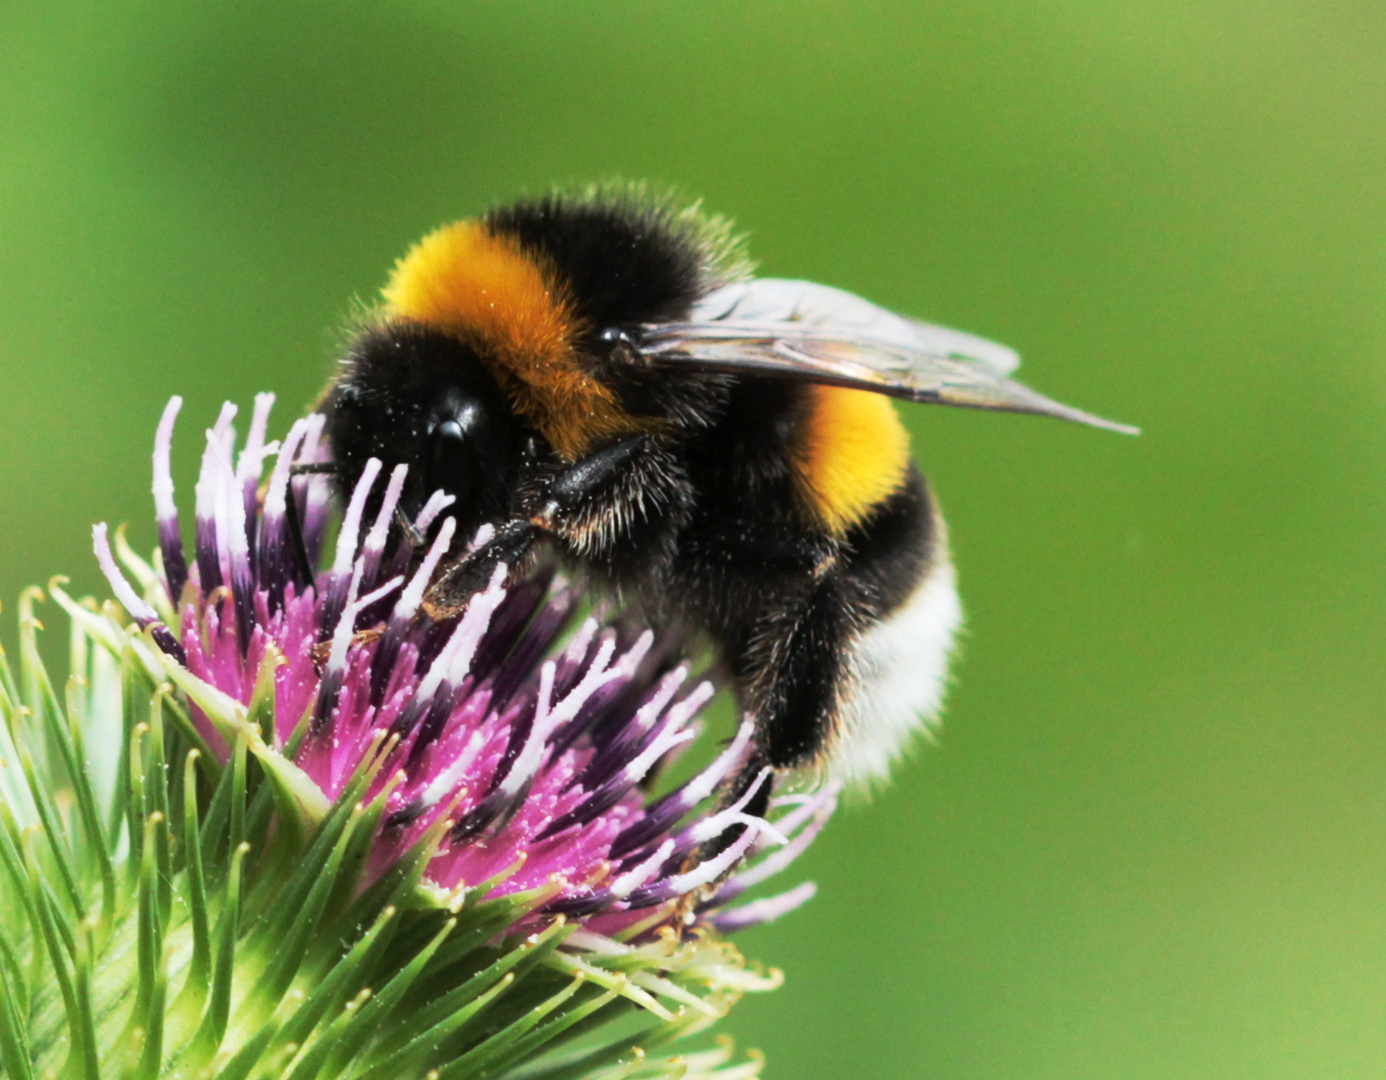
{"x":600,"y":374}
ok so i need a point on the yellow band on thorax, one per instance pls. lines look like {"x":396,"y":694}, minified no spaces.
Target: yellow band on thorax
{"x":482,"y":288}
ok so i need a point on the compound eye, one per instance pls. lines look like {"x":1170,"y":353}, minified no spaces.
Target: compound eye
{"x":451,"y":461}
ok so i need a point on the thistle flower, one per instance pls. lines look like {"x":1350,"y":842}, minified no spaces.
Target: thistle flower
{"x":281,"y":827}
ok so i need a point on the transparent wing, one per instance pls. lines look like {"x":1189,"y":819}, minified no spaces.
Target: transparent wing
{"x":814,"y":333}
{"x":808,"y":304}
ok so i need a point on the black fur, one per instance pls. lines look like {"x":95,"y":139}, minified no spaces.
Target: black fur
{"x":698,"y":523}
{"x":625,"y":260}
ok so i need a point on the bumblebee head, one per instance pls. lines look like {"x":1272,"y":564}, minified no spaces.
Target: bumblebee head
{"x":409,"y":393}
{"x":499,"y":329}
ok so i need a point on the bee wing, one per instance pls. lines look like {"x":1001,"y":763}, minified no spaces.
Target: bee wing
{"x":808,"y":304}
{"x":814,"y":333}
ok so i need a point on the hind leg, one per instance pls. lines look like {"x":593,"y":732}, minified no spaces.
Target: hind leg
{"x":797,"y":674}
{"x":850,"y":648}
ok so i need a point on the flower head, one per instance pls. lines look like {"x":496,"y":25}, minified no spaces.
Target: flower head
{"x":538,"y":751}
{"x":450,"y":826}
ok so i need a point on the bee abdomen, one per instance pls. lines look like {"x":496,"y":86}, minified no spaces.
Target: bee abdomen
{"x":899,"y":675}
{"x":896,"y":668}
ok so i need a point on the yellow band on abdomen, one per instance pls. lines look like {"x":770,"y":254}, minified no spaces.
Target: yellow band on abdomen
{"x":852,"y":453}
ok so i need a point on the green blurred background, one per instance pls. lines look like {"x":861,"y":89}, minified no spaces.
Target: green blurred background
{"x":1151,"y":840}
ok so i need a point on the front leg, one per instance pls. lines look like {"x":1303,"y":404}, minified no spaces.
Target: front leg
{"x":613,"y":507}
{"x":460,"y":581}
{"x":618,"y":507}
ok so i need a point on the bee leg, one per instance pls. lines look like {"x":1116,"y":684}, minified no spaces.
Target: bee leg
{"x":300,"y":546}
{"x":291,"y":518}
{"x":797,"y":671}
{"x":449,"y":595}
{"x":747,"y":776}
{"x":585,"y":479}
{"x":560,"y":507}
{"x":786,"y":635}
{"x":412,"y":536}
